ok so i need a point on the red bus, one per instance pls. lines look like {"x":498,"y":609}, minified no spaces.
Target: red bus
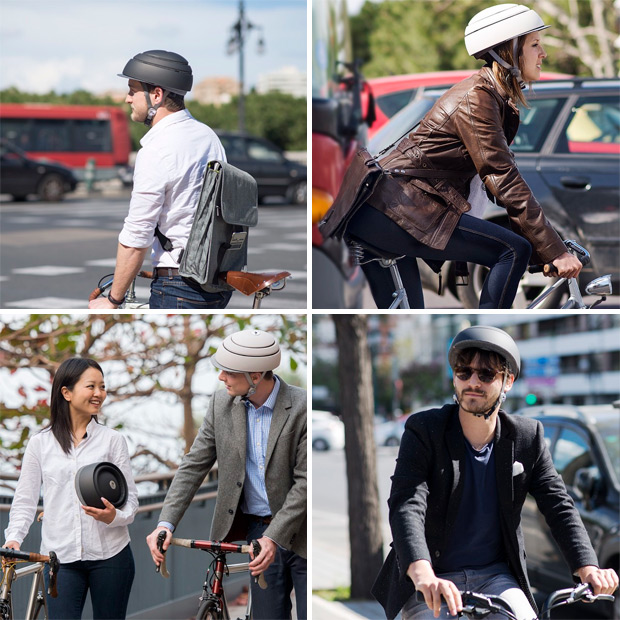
{"x":70,"y":134}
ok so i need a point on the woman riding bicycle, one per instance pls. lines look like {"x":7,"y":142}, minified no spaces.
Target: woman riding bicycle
{"x":92,"y":544}
{"x":465,"y":136}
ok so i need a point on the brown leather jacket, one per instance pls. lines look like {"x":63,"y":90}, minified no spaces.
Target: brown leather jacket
{"x":468,"y":130}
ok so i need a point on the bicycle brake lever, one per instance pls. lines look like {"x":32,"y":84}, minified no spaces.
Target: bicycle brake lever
{"x":260,"y":580}
{"x":161,"y":568}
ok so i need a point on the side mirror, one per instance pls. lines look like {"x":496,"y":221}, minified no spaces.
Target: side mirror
{"x":587,"y":483}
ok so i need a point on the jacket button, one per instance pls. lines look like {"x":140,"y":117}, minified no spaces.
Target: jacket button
{"x":239,"y":484}
{"x":231,"y":512}
{"x":437,"y":554}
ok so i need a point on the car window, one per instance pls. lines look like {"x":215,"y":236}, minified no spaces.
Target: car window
{"x":393,"y":102}
{"x":536,"y":123}
{"x":571,"y":453}
{"x":550,"y":432}
{"x":234,"y":146}
{"x":263,"y":152}
{"x":593,"y":127}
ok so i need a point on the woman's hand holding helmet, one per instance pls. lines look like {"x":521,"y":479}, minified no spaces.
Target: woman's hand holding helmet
{"x":568,"y":266}
{"x":106,"y":515}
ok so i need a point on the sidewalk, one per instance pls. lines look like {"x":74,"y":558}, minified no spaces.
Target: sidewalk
{"x":350,"y":610}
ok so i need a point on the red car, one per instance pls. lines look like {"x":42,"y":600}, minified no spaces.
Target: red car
{"x":394,"y":92}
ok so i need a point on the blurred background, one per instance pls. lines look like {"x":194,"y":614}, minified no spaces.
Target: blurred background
{"x":66,"y":134}
{"x":379,"y":66}
{"x":370,"y":372}
{"x":159,"y":381}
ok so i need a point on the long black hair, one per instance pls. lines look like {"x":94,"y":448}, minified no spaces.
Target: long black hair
{"x":67,"y":375}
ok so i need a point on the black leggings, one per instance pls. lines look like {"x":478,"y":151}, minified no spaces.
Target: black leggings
{"x":473,"y":240}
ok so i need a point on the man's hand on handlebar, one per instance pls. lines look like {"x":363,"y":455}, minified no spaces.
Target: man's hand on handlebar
{"x":567,"y":265}
{"x":151,"y":541}
{"x":265,"y":558}
{"x":426,"y":582}
{"x":101,"y":303}
{"x":602,"y":580}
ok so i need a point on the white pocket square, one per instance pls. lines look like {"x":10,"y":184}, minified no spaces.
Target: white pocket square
{"x":517,"y":468}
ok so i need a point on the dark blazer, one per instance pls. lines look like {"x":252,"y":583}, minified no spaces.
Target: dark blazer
{"x":427,"y":489}
{"x":222,"y":436}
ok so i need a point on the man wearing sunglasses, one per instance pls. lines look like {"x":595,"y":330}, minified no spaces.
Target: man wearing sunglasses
{"x":462,"y":475}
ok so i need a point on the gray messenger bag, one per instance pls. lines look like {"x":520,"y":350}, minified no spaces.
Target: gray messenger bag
{"x":218,"y":240}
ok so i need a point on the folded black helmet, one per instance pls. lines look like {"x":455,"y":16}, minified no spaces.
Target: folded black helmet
{"x":97,"y":480}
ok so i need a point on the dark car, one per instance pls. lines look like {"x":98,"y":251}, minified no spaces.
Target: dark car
{"x":274,"y":173}
{"x":21,"y":176}
{"x":568,"y":151}
{"x":585,"y":446}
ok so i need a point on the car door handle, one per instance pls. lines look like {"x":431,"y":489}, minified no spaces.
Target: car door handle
{"x":575,"y":182}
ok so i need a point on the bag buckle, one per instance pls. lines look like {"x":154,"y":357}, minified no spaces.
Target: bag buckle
{"x":237,"y":240}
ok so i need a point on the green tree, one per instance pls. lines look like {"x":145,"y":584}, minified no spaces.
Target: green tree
{"x":146,"y":346}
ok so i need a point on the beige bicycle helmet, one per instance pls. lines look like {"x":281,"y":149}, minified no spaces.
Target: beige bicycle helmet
{"x":498,"y":24}
{"x":247,"y":352}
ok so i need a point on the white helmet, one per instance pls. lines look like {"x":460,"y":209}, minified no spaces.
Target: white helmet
{"x":246,"y":352}
{"x":498,"y":24}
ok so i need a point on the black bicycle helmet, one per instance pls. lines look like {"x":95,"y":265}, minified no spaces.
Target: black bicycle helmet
{"x":97,"y":480}
{"x":487,"y":338}
{"x":160,"y":68}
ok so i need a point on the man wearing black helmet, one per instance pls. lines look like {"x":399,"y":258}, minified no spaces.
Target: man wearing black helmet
{"x":462,"y":475}
{"x":166,"y":186}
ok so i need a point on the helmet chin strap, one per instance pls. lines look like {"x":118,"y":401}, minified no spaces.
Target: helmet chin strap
{"x":500,"y":399}
{"x":253,"y":386}
{"x":152,"y":109}
{"x":513,"y":69}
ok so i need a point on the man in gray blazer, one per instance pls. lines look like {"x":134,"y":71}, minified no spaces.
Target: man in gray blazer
{"x":256,"y":430}
{"x":462,"y":475}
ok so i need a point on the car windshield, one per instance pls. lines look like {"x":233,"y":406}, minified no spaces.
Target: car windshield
{"x":611,"y":440}
{"x":402,"y":123}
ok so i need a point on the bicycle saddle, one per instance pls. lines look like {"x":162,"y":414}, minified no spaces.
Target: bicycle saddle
{"x":368,"y":247}
{"x":250,"y":283}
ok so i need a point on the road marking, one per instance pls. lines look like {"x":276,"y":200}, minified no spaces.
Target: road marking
{"x":48,"y":270}
{"x":46,"y":236}
{"x":49,"y":302}
{"x":101,"y":262}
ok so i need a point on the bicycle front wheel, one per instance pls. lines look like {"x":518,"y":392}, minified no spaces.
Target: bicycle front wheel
{"x":208,"y":610}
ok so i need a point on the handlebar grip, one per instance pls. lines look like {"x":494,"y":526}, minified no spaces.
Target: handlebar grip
{"x":548,"y":269}
{"x":146,"y":274}
{"x":95,"y":294}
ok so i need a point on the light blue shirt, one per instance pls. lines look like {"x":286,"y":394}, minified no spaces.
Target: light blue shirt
{"x":258,"y":423}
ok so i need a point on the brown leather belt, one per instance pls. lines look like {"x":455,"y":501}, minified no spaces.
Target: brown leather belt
{"x":264,"y":520}
{"x":165,"y":271}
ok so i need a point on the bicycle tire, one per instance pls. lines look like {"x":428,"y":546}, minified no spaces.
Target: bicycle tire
{"x":208,"y":611}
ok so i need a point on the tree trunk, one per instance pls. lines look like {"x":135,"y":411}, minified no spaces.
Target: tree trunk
{"x":356,"y":397}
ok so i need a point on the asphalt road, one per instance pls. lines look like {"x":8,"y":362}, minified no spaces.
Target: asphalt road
{"x":53,"y":254}
{"x":330,"y":533}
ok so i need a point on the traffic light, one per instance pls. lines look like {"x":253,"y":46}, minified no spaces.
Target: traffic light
{"x":531,"y":399}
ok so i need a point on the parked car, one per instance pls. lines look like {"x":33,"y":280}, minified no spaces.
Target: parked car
{"x":568,"y":151}
{"x":22,"y":176}
{"x":394,"y":92}
{"x":585,"y":446}
{"x":274,"y":173}
{"x":327,"y":431}
{"x":389,"y":432}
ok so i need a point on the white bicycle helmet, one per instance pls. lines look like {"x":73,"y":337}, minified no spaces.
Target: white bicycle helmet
{"x":246,"y":352}
{"x":499,"y":24}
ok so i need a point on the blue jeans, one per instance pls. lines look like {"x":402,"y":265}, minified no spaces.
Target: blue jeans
{"x":176,"y":292}
{"x":288,"y":571}
{"x":494,"y":579}
{"x":474,"y":240}
{"x":109,"y":582}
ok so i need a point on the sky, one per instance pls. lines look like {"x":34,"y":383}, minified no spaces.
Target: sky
{"x":67,"y":45}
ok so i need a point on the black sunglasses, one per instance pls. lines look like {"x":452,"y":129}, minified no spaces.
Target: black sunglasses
{"x":486,"y":375}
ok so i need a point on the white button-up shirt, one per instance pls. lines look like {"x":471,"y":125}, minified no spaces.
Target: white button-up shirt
{"x":67,"y":529}
{"x":166,"y":184}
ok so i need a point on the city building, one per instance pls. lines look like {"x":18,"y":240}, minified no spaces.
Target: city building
{"x":215,"y":90}
{"x":288,"y":80}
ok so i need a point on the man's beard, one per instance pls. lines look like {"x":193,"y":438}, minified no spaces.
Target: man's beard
{"x":476,"y":405}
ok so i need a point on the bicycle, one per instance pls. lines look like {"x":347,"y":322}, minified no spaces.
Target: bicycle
{"x":478,"y":606}
{"x":36,"y":600}
{"x":212,"y":603}
{"x":260,"y":285}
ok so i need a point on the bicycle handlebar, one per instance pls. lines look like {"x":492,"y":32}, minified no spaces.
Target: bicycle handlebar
{"x":571,"y":245}
{"x":477,"y":605}
{"x":26,"y":556}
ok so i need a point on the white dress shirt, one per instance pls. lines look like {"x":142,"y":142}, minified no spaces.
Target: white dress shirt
{"x":67,"y":529}
{"x":166,"y":184}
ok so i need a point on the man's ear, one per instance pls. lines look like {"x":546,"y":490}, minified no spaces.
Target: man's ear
{"x":509,"y":383}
